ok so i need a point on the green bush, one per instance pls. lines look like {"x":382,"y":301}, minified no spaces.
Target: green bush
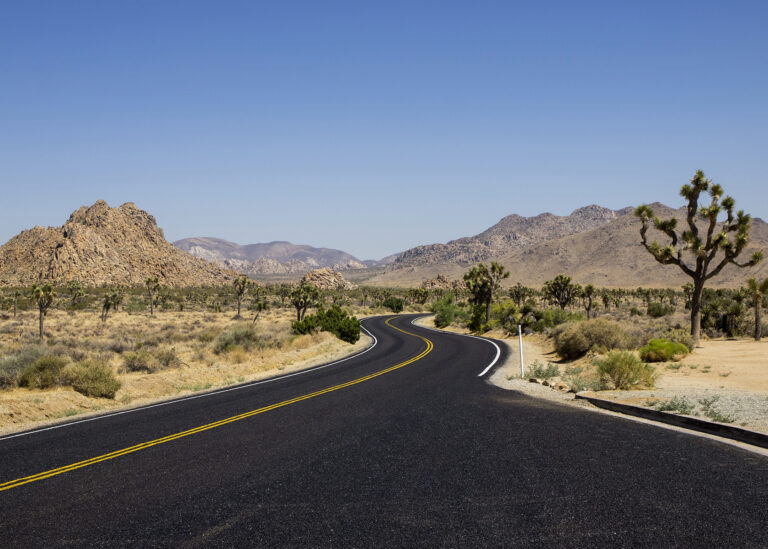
{"x":333,"y":320}
{"x":662,"y":350}
{"x":541,"y":371}
{"x":446,"y":311}
{"x":43,"y":373}
{"x":94,"y":378}
{"x":574,"y":340}
{"x":241,"y":336}
{"x":658,"y":310}
{"x":676,"y":335}
{"x":546,"y":319}
{"x":138,"y":361}
{"x":678,"y":404}
{"x":625,"y":371}
{"x":394,"y":304}
{"x":12,"y":366}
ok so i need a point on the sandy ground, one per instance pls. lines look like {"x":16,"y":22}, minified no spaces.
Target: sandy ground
{"x":200,"y":370}
{"x":729,"y":377}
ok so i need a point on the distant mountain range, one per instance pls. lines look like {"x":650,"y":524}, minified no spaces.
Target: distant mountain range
{"x":270,"y":258}
{"x":101,"y":245}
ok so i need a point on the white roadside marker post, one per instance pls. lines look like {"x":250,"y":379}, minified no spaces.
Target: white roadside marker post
{"x":520,"y":339}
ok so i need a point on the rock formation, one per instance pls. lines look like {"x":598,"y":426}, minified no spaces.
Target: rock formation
{"x":326,"y":279}
{"x":100,"y":245}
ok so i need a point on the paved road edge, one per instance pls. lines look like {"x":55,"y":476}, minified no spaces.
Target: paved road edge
{"x":718,"y":429}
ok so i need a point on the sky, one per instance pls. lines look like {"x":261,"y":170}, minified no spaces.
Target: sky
{"x":369,"y":126}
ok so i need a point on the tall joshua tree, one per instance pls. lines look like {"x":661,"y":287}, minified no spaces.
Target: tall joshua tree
{"x":560,"y":290}
{"x":152,"y":286}
{"x":587,"y":294}
{"x":43,"y":294}
{"x":241,"y":285}
{"x":483,"y":283}
{"x":757,"y":291}
{"x":700,"y":252}
{"x":302,"y":297}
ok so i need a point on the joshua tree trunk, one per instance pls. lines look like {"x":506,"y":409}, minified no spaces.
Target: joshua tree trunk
{"x":15,"y":301}
{"x":698,"y":289}
{"x":239,"y":303}
{"x":42,"y":315}
{"x":488,"y":311}
{"x":758,"y":320}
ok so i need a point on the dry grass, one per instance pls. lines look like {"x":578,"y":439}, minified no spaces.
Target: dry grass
{"x":179,"y":345}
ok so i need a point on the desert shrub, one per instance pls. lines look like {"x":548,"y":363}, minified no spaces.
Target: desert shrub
{"x":167,"y":358}
{"x":241,"y":336}
{"x":676,"y":335}
{"x":542,"y":320}
{"x":662,"y":350}
{"x":208,"y":335}
{"x":678,"y":404}
{"x":446,"y":311}
{"x":93,"y":378}
{"x":138,"y":361}
{"x":13,"y":365}
{"x":658,"y":310}
{"x":334,"y":320}
{"x":625,"y":371}
{"x":573,"y":340}
{"x":394,"y":304}
{"x":43,"y":373}
{"x":542,"y":371}
{"x":135,"y":305}
{"x":583,"y":383}
{"x":634,"y":311}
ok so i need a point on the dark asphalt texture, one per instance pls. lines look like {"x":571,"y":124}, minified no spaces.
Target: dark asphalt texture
{"x":426,"y":455}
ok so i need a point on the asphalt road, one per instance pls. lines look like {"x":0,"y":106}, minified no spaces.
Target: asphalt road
{"x":424,"y":454}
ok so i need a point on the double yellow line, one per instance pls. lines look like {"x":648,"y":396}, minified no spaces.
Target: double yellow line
{"x":144,"y":445}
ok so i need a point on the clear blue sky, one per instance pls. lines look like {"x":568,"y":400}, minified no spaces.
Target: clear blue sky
{"x":374,"y":126}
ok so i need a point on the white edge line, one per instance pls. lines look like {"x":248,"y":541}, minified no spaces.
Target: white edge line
{"x":487,"y":368}
{"x":192,"y":397}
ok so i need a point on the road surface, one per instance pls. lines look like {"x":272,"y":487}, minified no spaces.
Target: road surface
{"x":404,"y":445}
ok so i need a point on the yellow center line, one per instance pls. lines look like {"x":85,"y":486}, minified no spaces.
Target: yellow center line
{"x":144,"y":445}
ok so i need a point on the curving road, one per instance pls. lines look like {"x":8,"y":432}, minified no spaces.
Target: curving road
{"x":404,"y":445}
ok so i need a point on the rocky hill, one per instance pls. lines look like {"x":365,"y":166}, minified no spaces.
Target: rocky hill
{"x":607,"y":254}
{"x":511,"y":233}
{"x":270,"y":258}
{"x":326,"y":279}
{"x":101,"y":245}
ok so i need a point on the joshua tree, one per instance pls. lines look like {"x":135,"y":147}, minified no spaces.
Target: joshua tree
{"x":75,"y":291}
{"x":756,"y":291}
{"x":586,"y":295}
{"x":606,"y":298}
{"x":520,"y":293}
{"x":152,"y":286}
{"x":241,"y":285}
{"x":261,"y":304}
{"x":700,"y":244}
{"x":283,"y":291}
{"x":44,"y":295}
{"x":112,"y":300}
{"x":483,"y":283}
{"x":302,"y":297}
{"x":560,"y":290}
{"x":16,"y":296}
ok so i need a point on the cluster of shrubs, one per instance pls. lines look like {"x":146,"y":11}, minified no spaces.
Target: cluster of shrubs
{"x":575,"y":339}
{"x":36,"y":368}
{"x":144,"y":361}
{"x":244,"y":337}
{"x":334,"y":320}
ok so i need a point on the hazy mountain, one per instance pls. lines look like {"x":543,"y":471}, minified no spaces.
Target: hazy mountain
{"x":102,"y":245}
{"x":268,"y":258}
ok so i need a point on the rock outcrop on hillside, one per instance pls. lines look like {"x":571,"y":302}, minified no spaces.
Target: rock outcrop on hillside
{"x":99,"y":245}
{"x":441,"y":282}
{"x":326,"y":279}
